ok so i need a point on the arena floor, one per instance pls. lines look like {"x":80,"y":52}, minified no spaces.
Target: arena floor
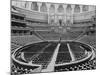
{"x":51,"y":54}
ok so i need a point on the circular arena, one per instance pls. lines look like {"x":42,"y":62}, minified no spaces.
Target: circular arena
{"x":52,"y":37}
{"x":54,"y":56}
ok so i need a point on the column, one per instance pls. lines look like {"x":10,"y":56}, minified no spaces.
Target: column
{"x":81,"y":6}
{"x":72,"y":13}
{"x":56,"y":7}
{"x":65,"y":13}
{"x":29,"y":5}
{"x":48,"y":6}
{"x":39,"y":5}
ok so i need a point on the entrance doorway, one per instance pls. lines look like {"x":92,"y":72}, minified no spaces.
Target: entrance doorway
{"x":60,"y":22}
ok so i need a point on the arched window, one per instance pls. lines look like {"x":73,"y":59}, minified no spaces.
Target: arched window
{"x":43,"y":7}
{"x":26,"y":4}
{"x":52,"y":9}
{"x":60,"y":9}
{"x":85,"y":8}
{"x":77,"y":9}
{"x":34,"y":6}
{"x":68,"y":9}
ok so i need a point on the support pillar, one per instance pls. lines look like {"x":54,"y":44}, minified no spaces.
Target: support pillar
{"x":39,"y":5}
{"x":81,"y":6}
{"x":48,"y":6}
{"x":72,"y":13}
{"x":56,"y":7}
{"x":29,"y":5}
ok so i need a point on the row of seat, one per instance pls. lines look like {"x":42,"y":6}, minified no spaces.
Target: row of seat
{"x":63,"y":55}
{"x":49,"y":35}
{"x":14,"y":46}
{"x":71,"y":35}
{"x":89,"y":39}
{"x":89,"y":65}
{"x":78,"y":52}
{"x":22,"y":40}
{"x":16,"y":70}
{"x":45,"y":57}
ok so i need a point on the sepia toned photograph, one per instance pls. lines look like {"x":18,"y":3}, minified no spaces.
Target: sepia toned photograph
{"x":52,"y":37}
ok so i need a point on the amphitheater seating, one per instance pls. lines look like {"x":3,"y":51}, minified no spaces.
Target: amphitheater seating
{"x":39,"y":26}
{"x":71,"y":35}
{"x":20,"y":70}
{"x":49,"y":35}
{"x":14,"y":46}
{"x":88,"y":65}
{"x":22,"y":40}
{"x":89,"y":39}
